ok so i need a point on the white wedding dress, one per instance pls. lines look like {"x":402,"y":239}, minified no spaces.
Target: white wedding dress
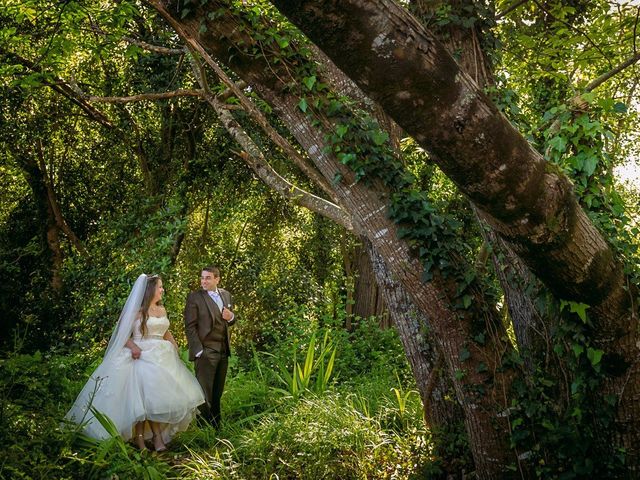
{"x":157,"y":387}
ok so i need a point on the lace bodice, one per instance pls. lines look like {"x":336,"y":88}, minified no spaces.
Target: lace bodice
{"x":156,"y":327}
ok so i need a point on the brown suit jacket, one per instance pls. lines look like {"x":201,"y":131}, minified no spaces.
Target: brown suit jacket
{"x":200,"y":313}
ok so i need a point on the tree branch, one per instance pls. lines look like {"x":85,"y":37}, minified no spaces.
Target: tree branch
{"x":153,"y":48}
{"x":614,"y":71}
{"x":253,"y":156}
{"x":61,"y":223}
{"x":510,"y":9}
{"x":577,"y":102}
{"x":144,"y":96}
{"x":63,"y":88}
{"x":250,"y":108}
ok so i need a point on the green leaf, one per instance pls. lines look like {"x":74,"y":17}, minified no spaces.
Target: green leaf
{"x":619,"y":107}
{"x":379,"y":137}
{"x":342,"y":129}
{"x":464,"y":354}
{"x":283,"y":42}
{"x":466,"y":301}
{"x":302,"y":105}
{"x":558,"y":143}
{"x":309,"y":82}
{"x":589,"y":165}
{"x":580,"y":309}
{"x":594,"y":355}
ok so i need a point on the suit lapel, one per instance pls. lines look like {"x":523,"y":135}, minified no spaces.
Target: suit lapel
{"x":224,"y":295}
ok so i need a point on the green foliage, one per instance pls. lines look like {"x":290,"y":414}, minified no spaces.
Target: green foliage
{"x":115,"y":457}
{"x":299,"y":379}
{"x":163,"y":192}
{"x":34,"y":392}
{"x":370,"y":425}
{"x":565,"y":430}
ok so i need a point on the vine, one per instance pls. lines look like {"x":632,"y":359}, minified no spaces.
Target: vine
{"x":555,"y":428}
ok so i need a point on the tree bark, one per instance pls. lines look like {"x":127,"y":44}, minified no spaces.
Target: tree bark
{"x":368,"y":299}
{"x":530,"y":203}
{"x":35,"y":179}
{"x":481,"y":392}
{"x":54,"y":208}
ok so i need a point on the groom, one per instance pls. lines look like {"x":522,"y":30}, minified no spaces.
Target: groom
{"x":207,"y":317}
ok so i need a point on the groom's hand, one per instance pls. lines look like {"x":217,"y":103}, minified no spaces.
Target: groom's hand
{"x":227,"y":314}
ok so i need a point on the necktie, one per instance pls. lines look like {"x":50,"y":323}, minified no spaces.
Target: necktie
{"x":215,"y":296}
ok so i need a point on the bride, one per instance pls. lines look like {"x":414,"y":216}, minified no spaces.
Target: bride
{"x":141,"y":384}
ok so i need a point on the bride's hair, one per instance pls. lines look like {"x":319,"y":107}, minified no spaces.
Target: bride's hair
{"x":149,"y":292}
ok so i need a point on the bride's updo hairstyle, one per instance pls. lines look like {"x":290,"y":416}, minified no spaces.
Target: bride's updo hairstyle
{"x":149,"y":292}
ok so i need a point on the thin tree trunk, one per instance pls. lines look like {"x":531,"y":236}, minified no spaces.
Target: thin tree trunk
{"x":347,"y":262}
{"x":35,"y":179}
{"x":54,"y":206}
{"x":368,"y":299}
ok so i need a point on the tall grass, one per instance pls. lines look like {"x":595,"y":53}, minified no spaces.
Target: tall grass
{"x":368,"y":425}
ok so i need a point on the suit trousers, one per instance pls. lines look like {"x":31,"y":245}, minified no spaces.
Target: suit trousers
{"x":211,"y":372}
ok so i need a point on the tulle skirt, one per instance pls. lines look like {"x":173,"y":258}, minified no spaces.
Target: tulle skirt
{"x":156,"y":387}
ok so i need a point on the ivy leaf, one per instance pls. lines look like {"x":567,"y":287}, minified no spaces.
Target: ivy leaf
{"x":309,"y":82}
{"x":283,"y":42}
{"x":577,"y":349}
{"x":302,"y":105}
{"x":346,"y":158}
{"x":594,"y":355}
{"x":466,"y":301}
{"x":589,"y":165}
{"x":558,"y":143}
{"x":580,"y":309}
{"x":480,"y":338}
{"x":341,"y":130}
{"x":464,"y":354}
{"x":548,"y":425}
{"x":575,"y":386}
{"x":619,"y":107}
{"x":379,"y":137}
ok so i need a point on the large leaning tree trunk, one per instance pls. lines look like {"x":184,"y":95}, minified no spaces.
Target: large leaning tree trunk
{"x":532,"y":206}
{"x":475,"y":368}
{"x":464,"y":41}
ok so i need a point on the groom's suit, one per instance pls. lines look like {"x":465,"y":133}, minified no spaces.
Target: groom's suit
{"x":209,"y":345}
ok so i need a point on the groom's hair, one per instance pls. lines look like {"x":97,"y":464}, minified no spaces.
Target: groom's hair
{"x":212,"y":269}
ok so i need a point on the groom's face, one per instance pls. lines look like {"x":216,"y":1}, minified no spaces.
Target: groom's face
{"x":208,"y":281}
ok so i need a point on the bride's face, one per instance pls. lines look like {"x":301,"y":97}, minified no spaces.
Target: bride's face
{"x":158,"y":293}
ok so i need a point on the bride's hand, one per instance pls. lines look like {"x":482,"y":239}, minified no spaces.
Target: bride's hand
{"x":135,"y":351}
